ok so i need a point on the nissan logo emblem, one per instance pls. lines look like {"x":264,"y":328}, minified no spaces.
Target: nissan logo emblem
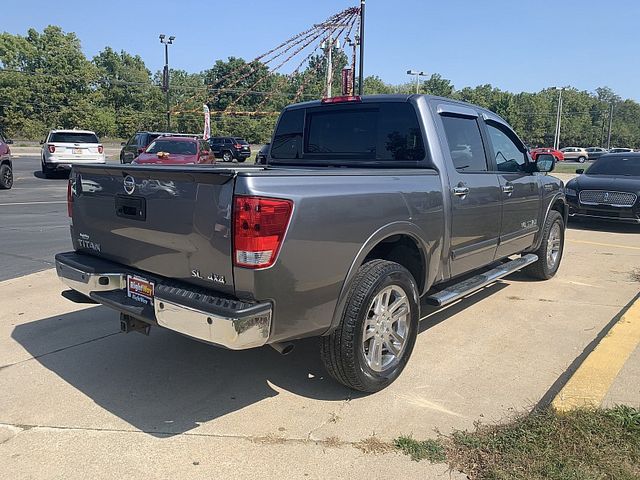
{"x":129,"y":184}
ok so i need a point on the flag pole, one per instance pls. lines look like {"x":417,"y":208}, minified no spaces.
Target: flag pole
{"x":361,"y":71}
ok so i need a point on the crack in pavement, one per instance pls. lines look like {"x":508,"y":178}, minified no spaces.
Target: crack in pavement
{"x":251,"y":438}
{"x":59,"y":350}
{"x":333,"y":417}
{"x":25,"y":257}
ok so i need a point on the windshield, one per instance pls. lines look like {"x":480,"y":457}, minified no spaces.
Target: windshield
{"x":173,"y":146}
{"x":618,"y":165}
{"x":73,"y":137}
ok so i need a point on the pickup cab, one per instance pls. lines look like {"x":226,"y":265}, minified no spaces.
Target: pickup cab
{"x":367,"y":207}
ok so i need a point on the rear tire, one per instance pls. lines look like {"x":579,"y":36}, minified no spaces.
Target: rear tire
{"x":582,"y":159}
{"x":46,"y":171}
{"x":227,"y":157}
{"x":382,"y":312}
{"x":551,"y":248}
{"x":6,"y":177}
{"x":241,"y":160}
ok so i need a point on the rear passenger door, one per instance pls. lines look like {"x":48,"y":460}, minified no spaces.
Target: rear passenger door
{"x":474,"y":191}
{"x":521,"y":198}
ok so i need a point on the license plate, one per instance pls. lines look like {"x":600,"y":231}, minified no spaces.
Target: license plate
{"x":140,"y":289}
{"x":77,"y":151}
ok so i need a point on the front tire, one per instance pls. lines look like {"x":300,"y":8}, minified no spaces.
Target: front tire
{"x":378,"y":330}
{"x":551,"y":248}
{"x":6,"y":177}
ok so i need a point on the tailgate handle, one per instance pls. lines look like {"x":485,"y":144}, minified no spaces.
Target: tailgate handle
{"x":134,"y":208}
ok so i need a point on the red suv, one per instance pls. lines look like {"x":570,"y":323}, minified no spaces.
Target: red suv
{"x":6,"y":168}
{"x":176,"y":151}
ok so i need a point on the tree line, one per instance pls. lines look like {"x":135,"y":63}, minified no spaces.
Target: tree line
{"x":46,"y":82}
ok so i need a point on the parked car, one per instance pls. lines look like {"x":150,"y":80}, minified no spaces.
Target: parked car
{"x":138,"y":144}
{"x":608,"y":190}
{"x":558,"y":155}
{"x":263,"y":153}
{"x":594,"y":153}
{"x":6,"y":167}
{"x":575,"y":153}
{"x":621,"y":150}
{"x":248,"y":257}
{"x":230,"y":148}
{"x":64,"y":148}
{"x":176,"y":151}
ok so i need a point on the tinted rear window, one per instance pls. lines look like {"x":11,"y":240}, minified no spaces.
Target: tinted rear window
{"x":241,"y":141}
{"x":72,"y":137}
{"x":360,"y":132}
{"x":172,"y":146}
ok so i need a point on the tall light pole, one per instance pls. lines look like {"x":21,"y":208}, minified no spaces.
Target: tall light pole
{"x":165,"y":74}
{"x":361,"y":66}
{"x":556,"y":137}
{"x":610,"y":124}
{"x":417,"y":75}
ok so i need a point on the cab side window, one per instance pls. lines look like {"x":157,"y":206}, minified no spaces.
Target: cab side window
{"x":465,"y":143}
{"x":508,"y":155}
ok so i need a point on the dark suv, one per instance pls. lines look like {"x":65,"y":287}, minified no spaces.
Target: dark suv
{"x":230,"y":148}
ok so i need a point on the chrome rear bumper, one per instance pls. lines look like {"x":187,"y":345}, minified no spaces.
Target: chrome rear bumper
{"x":221,"y":321}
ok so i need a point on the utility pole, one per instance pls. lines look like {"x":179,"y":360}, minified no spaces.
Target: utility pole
{"x":610,"y":124}
{"x":165,"y":74}
{"x":418,"y":75}
{"x":556,"y":138}
{"x":330,"y":64}
{"x":361,"y":72}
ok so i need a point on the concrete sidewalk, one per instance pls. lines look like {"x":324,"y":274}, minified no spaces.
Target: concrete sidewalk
{"x":79,"y":399}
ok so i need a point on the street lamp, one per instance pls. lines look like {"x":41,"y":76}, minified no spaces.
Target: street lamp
{"x":165,"y":74}
{"x":418,"y":75}
{"x":556,"y":137}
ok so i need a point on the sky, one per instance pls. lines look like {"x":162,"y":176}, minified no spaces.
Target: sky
{"x":515,"y":45}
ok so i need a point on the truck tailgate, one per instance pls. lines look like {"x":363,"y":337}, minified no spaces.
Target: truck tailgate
{"x":173,"y":222}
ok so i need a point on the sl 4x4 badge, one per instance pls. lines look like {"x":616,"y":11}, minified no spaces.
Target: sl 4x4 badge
{"x":214,"y":277}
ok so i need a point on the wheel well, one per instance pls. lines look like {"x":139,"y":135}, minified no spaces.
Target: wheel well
{"x":404,"y":250}
{"x":560,"y":206}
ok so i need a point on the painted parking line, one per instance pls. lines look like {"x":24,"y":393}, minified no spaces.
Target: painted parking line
{"x":590,"y":383}
{"x":30,"y":203}
{"x":613,"y":245}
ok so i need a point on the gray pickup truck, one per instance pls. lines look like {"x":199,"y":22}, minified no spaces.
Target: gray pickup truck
{"x":366,"y":208}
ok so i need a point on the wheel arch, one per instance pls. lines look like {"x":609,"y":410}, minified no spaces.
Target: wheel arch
{"x":559,"y":203}
{"x":399,"y":242}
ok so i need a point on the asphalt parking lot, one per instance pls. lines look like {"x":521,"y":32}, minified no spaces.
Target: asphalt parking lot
{"x":76,"y":395}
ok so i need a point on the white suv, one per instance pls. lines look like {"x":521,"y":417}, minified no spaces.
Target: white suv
{"x":64,"y":148}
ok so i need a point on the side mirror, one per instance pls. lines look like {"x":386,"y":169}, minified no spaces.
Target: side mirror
{"x":122,"y":144}
{"x":580,"y":171}
{"x":545,"y":163}
{"x":8,"y":141}
{"x":41,"y":142}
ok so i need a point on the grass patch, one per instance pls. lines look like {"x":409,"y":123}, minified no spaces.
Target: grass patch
{"x":569,"y":167}
{"x":431,"y":450}
{"x":581,"y":445}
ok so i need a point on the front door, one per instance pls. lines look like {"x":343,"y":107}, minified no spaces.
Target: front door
{"x":475,"y":195}
{"x":521,"y":195}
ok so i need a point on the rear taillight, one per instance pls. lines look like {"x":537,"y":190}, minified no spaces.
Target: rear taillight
{"x":238,"y":146}
{"x":52,"y":148}
{"x":259,"y":225}
{"x":70,"y":198}
{"x":100,"y":149}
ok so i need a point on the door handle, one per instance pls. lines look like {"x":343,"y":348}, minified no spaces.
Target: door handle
{"x":508,"y":189}
{"x":460,"y":191}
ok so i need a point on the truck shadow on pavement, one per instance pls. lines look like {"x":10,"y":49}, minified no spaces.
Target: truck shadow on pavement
{"x":167,"y":384}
